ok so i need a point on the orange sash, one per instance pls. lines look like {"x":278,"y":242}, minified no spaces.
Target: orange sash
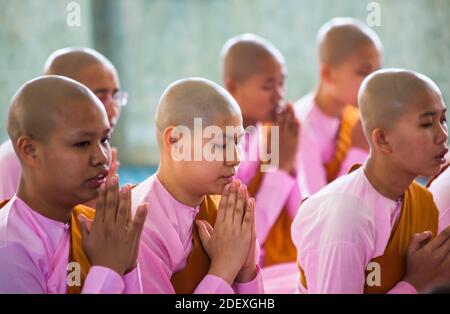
{"x":418,"y":214}
{"x":186,"y":280}
{"x":350,"y":117}
{"x":76,"y":253}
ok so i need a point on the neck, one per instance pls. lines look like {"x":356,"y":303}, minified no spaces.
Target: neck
{"x":327,"y":103}
{"x":171,"y":184}
{"x":37,"y":201}
{"x":386,"y":178}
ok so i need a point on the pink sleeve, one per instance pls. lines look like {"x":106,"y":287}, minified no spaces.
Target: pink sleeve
{"x":103,"y":280}
{"x":354,"y":156}
{"x":213,"y":285}
{"x":254,"y":286}
{"x":270,"y":200}
{"x":155,"y":264}
{"x":133,"y":282}
{"x":403,"y":287}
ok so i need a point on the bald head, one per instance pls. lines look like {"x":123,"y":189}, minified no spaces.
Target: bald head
{"x":191,"y":98}
{"x":339,"y":38}
{"x":70,"y":62}
{"x":386,"y":95}
{"x":244,"y":56}
{"x":36,"y":107}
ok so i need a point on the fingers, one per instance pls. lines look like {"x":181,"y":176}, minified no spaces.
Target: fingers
{"x":124,"y":208}
{"x":112,"y":200}
{"x":100,"y":205}
{"x":418,"y":240}
{"x":83,"y":227}
{"x":444,"y":249}
{"x":203,"y":232}
{"x":223,"y":204}
{"x":239,"y":210}
{"x":137,"y":224}
{"x":440,"y":239}
{"x":249,"y":217}
{"x":208,"y":227}
{"x":231,"y":202}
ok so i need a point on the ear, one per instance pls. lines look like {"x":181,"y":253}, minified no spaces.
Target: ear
{"x":380,"y":140}
{"x":231,"y":86}
{"x":171,"y":136}
{"x":326,"y":73}
{"x":27,"y":150}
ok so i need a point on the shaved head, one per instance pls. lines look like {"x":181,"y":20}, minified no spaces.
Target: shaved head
{"x":191,"y":98}
{"x":339,"y":38}
{"x":386,"y":95}
{"x":244,"y":56}
{"x":37,"y":106}
{"x":70,"y":62}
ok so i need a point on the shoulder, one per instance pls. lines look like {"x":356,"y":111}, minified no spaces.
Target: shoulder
{"x":336,"y":213}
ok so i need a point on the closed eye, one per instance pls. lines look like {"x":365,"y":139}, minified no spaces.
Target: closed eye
{"x":83,"y":144}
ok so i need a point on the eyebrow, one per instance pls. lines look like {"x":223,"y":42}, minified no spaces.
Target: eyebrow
{"x":431,"y":113}
{"x":89,"y":133}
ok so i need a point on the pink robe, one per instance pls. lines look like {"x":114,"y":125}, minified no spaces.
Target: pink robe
{"x":10,"y":170}
{"x":440,"y":188}
{"x":166,"y":243}
{"x":317,"y":145}
{"x":34,"y":256}
{"x":339,"y":230}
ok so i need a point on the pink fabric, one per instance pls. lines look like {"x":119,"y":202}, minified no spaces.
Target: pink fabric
{"x":10,"y":171}
{"x":339,"y":230}
{"x":34,"y":253}
{"x":317,"y":144}
{"x":166,"y":243}
{"x":280,"y":278}
{"x":355,"y":156}
{"x":277,"y":189}
{"x":440,"y":188}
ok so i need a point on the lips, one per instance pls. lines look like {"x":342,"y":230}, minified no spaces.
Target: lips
{"x":228,"y":178}
{"x":98,"y":180}
{"x":441,"y":156}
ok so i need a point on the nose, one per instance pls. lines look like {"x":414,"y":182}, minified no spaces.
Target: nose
{"x":442,"y":135}
{"x":236,"y":158}
{"x":280,"y":92}
{"x":101,"y":155}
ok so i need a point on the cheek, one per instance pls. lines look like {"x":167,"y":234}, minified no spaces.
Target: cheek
{"x":413,"y":145}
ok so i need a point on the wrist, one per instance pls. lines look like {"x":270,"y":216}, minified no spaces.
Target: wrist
{"x":246,"y":274}
{"x":222,"y":272}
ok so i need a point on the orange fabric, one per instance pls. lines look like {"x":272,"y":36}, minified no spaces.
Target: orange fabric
{"x":3,"y":203}
{"x":186,"y":280}
{"x":76,"y":253}
{"x":444,"y":167}
{"x":350,"y":117}
{"x":418,"y":214}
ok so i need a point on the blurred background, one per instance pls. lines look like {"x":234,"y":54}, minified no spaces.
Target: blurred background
{"x":155,"y":42}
